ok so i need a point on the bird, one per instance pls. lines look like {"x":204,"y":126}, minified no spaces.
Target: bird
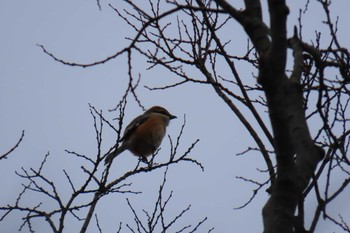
{"x":144,"y":134}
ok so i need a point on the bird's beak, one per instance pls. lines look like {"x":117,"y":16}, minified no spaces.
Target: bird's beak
{"x":172,"y":117}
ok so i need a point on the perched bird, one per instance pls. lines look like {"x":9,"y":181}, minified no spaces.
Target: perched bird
{"x":144,"y":134}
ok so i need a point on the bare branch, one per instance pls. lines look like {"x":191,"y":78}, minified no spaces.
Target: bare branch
{"x":4,"y":156}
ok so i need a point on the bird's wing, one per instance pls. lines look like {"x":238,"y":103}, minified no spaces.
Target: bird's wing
{"x":132,"y":126}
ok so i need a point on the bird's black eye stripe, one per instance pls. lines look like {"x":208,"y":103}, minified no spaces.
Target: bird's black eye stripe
{"x":163,"y":112}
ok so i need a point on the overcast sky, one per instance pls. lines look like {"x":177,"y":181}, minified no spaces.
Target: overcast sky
{"x":50,"y":102}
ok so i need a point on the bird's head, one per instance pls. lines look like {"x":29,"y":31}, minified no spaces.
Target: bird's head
{"x":160,"y":110}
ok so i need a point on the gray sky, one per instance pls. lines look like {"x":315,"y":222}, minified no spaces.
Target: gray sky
{"x":50,"y":102}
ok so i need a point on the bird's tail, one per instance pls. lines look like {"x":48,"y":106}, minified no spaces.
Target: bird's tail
{"x":114,"y":154}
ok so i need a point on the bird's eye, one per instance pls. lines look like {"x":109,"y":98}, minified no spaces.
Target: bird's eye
{"x":163,"y":112}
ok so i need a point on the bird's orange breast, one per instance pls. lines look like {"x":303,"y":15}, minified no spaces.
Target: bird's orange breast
{"x":147,"y":137}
